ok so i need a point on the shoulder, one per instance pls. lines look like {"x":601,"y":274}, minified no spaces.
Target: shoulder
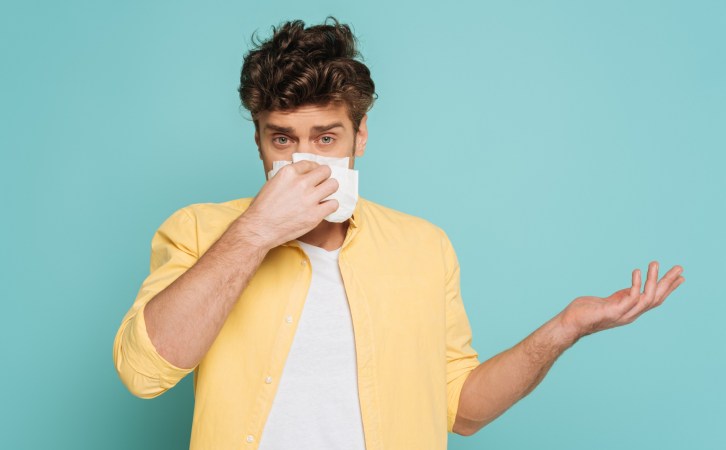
{"x":392,"y":222}
{"x":209,"y":216}
{"x":201,"y":224}
{"x":402,"y":235}
{"x":217,"y":210}
{"x":237,"y":205}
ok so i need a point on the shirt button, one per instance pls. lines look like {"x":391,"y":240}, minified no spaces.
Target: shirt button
{"x":268,"y":380}
{"x":288,"y":319}
{"x":250,"y":438}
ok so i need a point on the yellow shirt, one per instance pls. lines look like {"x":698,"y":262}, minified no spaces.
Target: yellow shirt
{"x":412,"y":334}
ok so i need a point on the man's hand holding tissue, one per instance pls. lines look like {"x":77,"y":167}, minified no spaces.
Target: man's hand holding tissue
{"x":291,"y":203}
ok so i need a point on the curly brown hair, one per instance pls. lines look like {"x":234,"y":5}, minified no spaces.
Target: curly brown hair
{"x":299,"y":66}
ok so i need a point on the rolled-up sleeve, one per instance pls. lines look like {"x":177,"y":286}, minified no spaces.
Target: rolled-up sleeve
{"x":141,"y":368}
{"x":461,"y":358}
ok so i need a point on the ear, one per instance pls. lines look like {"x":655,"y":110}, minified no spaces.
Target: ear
{"x":361,"y":137}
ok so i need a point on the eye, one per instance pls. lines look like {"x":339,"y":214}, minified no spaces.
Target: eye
{"x":280,"y":140}
{"x":327,"y":139}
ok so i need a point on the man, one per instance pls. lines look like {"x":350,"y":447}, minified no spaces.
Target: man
{"x":309,"y":333}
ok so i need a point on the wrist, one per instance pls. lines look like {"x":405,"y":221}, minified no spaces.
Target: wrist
{"x":247,"y":232}
{"x":566,"y":332}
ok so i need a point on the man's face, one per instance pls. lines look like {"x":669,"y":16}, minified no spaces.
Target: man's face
{"x":323,"y":130}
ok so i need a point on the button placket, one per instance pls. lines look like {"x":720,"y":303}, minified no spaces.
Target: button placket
{"x":265,"y":393}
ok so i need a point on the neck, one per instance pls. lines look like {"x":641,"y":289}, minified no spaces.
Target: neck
{"x":327,"y":235}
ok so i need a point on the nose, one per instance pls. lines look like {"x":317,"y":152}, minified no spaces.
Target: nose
{"x":304,"y":147}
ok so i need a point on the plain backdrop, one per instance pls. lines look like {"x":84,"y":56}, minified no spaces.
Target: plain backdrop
{"x":560,"y":144}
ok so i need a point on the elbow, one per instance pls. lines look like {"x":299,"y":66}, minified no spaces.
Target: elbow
{"x":139,"y":383}
{"x":466,"y":431}
{"x":467,"y":427}
{"x":144,"y":372}
{"x":146,"y":394}
{"x":136,"y":383}
{"x":143,"y":387}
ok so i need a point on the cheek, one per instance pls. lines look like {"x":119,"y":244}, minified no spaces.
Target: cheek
{"x":270,"y":154}
{"x":266,"y":160}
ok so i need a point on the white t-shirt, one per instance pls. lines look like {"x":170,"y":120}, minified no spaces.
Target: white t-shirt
{"x":316,"y":405}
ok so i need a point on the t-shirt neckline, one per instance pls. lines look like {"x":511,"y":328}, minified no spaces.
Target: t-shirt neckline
{"x":315,"y":248}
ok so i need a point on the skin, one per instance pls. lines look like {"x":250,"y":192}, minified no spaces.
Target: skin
{"x":184,"y":319}
{"x":498,"y":383}
{"x":340,"y":141}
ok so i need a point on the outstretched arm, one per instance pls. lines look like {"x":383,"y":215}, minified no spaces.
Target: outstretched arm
{"x":498,"y":383}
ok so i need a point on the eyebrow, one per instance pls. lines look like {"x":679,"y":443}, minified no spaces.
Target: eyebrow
{"x":322,"y":128}
{"x":315,"y":129}
{"x":278,"y":128}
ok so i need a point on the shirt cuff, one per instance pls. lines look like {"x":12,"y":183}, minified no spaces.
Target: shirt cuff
{"x":143,"y":357}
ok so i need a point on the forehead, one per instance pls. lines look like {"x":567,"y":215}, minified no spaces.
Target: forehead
{"x":305,"y":117}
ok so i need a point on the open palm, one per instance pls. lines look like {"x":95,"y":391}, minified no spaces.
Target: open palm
{"x":589,"y":315}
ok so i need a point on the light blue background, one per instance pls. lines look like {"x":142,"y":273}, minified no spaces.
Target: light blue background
{"x":560,"y":145}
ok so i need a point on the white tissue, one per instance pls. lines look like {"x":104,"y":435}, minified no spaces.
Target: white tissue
{"x":347,"y":193}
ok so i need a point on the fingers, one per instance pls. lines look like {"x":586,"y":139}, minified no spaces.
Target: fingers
{"x":630,"y":296}
{"x":312,"y":172}
{"x":635,"y":288}
{"x":655,"y":292}
{"x":319,"y":174}
{"x":677,"y":282}
{"x":328,"y":207}
{"x":636,"y":302}
{"x":303,"y":166}
{"x":665,"y":285}
{"x":650,"y":283}
{"x":300,"y":168}
{"x":318,"y":171}
{"x":326,"y":188}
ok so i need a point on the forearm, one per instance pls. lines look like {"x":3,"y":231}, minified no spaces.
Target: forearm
{"x":498,"y":383}
{"x":184,"y":319}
